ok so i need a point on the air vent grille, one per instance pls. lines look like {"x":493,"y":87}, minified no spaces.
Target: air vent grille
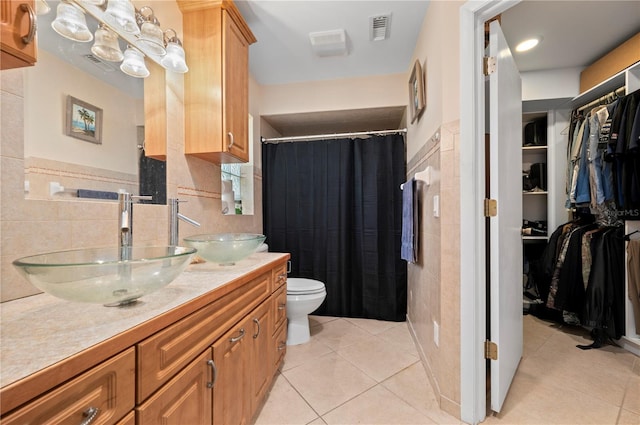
{"x":379,"y":27}
{"x":99,"y":63}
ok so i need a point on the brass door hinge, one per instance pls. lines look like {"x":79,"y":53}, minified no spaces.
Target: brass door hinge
{"x":490,"y":208}
{"x":489,"y":65}
{"x":490,"y":350}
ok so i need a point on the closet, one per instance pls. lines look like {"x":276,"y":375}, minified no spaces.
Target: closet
{"x":601,"y":224}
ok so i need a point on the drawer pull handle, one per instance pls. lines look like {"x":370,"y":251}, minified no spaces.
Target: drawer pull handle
{"x":257,"y":322}
{"x":239,"y":337}
{"x":215,"y":373}
{"x":282,"y":346}
{"x":27,"y":39}
{"x":282,"y":306}
{"x":231,"y":140}
{"x":282,"y":276}
{"x":90,"y":414}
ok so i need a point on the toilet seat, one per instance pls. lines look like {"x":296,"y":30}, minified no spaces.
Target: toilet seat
{"x":301,"y":286}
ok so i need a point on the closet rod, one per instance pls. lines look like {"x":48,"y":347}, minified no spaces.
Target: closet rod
{"x":332,"y":136}
{"x":617,"y":92}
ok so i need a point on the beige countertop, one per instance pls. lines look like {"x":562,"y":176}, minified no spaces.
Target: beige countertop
{"x":41,"y":330}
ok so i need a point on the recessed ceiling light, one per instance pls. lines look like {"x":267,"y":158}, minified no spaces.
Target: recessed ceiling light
{"x":528,"y":44}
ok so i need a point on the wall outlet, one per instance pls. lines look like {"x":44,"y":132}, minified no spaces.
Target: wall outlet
{"x":436,"y":333}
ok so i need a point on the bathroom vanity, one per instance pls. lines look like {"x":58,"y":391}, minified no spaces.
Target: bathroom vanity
{"x":202,"y":350}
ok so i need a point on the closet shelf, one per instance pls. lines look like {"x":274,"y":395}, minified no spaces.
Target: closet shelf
{"x":534,"y":148}
{"x":524,"y":192}
{"x":534,"y":238}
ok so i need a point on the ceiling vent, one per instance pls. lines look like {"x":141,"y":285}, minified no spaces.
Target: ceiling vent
{"x":379,"y":27}
{"x":329,"y":43}
{"x":99,"y":63}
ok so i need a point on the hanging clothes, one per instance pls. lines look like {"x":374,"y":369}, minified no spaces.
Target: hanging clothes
{"x":633,"y":278}
{"x":603,"y":159}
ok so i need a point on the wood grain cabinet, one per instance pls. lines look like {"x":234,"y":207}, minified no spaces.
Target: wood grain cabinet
{"x":17,"y":34}
{"x":216,"y":41}
{"x":105,"y":393}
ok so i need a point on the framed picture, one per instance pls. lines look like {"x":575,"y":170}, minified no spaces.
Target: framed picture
{"x":416,"y":92}
{"x":83,"y":121}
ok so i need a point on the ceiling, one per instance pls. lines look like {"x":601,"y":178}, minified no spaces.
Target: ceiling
{"x":575,"y":33}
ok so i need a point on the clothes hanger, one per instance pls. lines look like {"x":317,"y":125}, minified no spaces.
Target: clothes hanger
{"x":627,"y":237}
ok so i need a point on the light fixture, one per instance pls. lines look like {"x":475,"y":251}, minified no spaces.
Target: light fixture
{"x":71,"y":23}
{"x":528,"y":44}
{"x":174,"y":59}
{"x":106,"y":46}
{"x":42,"y":8}
{"x":133,"y":63}
{"x":151,"y":35}
{"x":120,"y":20}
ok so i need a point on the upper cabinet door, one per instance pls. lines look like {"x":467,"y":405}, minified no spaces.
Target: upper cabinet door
{"x":216,"y":41}
{"x":235,"y":87}
{"x":18,"y":38}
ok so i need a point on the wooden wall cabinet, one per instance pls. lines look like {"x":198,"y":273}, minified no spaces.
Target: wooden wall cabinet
{"x":216,"y":41}
{"x":17,"y":34}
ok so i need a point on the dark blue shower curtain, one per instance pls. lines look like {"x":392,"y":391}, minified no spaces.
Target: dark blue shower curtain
{"x":336,"y":206}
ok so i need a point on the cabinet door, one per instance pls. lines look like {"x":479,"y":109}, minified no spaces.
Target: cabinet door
{"x":235,"y":86}
{"x":17,"y":33}
{"x":231,"y":392}
{"x":260,"y":370}
{"x":186,"y":399}
{"x":105,"y":392}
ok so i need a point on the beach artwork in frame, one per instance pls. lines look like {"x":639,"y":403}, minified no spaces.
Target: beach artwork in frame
{"x":417,"y":93}
{"x":83,"y":121}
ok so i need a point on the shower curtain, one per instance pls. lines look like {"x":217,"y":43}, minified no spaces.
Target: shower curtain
{"x":336,"y":206}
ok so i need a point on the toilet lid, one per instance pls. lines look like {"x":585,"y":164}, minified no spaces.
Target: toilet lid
{"x":304,"y":286}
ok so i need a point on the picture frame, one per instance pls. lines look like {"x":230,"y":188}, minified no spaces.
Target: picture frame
{"x":417,"y":92}
{"x":83,"y":121}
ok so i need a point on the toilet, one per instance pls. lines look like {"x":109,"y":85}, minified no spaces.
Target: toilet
{"x":304,"y":296}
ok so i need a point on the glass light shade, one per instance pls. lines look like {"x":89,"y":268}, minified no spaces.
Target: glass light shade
{"x":174,"y":59}
{"x":124,"y":15}
{"x":106,"y":46}
{"x":133,"y":64}
{"x":71,"y":23}
{"x":42,"y":8}
{"x":152,"y":38}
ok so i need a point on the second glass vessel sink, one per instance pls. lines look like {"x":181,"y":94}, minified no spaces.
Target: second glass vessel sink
{"x":108,"y":276}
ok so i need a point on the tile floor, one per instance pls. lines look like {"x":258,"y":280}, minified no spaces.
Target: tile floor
{"x":358,"y":371}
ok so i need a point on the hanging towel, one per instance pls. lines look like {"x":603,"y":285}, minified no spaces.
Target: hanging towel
{"x":409,"y":247}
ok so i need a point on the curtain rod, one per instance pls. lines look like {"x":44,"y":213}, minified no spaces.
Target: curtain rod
{"x":332,"y":136}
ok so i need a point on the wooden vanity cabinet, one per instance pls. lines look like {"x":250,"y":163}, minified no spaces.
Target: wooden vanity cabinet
{"x":108,"y":387}
{"x":17,"y":34}
{"x":213,"y":365}
{"x":216,"y":41}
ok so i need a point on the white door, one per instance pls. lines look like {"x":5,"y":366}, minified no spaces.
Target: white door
{"x":505,"y":251}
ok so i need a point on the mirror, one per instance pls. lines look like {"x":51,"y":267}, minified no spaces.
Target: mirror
{"x":95,"y":156}
{"x":236,"y":190}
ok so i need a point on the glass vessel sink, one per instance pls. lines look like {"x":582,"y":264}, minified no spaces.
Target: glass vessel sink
{"x":225,"y":248}
{"x":106,"y":276}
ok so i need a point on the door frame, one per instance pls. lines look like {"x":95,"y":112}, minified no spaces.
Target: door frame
{"x":473,"y":257}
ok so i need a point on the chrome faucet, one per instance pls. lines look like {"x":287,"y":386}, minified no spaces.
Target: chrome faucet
{"x":174,"y":215}
{"x":125,"y":217}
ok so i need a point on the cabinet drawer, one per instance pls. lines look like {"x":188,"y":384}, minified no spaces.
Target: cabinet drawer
{"x":130,"y":419}
{"x":279,"y":307}
{"x":279,"y":276}
{"x":279,"y":346}
{"x":162,"y":355}
{"x":108,"y":387}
